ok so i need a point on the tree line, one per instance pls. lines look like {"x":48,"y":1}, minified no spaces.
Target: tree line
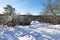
{"x":50,"y":14}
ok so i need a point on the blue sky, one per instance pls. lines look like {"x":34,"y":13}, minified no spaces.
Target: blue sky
{"x":23,"y":6}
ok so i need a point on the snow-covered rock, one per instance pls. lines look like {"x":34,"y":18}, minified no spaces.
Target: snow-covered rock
{"x":34,"y":22}
{"x":28,"y":37}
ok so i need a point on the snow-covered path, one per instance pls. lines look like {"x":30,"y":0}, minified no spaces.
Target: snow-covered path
{"x":35,"y":31}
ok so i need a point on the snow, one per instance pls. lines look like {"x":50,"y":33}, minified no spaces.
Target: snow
{"x":35,"y":31}
{"x":34,"y":22}
{"x":26,"y":38}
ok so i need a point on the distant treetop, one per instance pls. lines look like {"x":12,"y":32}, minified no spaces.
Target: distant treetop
{"x":9,"y":9}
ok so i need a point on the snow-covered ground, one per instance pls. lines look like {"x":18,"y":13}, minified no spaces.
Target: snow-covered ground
{"x":35,"y":31}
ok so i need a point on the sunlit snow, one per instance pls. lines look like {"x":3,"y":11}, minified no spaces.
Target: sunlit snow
{"x":35,"y":31}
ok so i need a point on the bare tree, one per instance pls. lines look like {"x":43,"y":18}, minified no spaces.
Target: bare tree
{"x":52,"y":7}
